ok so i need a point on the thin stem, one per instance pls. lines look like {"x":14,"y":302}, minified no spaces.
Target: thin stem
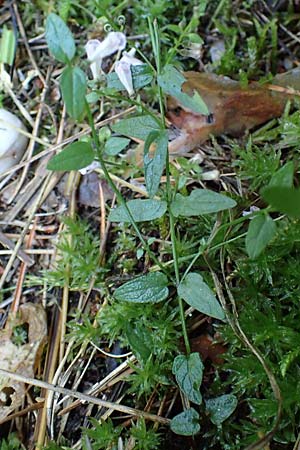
{"x":117,"y":192}
{"x":134,"y":103}
{"x":154,"y":33}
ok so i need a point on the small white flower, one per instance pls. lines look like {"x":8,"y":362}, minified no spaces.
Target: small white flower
{"x":123,"y":69}
{"x":129,"y":58}
{"x":90,"y":48}
{"x":97,"y":50}
{"x":90,"y":168}
{"x":252,"y":209}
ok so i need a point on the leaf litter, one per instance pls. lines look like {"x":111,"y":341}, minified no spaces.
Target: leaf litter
{"x":36,"y":184}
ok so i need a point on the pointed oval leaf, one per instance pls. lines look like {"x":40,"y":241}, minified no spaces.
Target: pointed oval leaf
{"x":261,"y":231}
{"x":73,"y":157}
{"x":155,"y":164}
{"x":283,"y":199}
{"x":141,"y":210}
{"x":138,"y":339}
{"x":171,"y":81}
{"x":73,"y":87}
{"x":200,"y":201}
{"x":150,"y":288}
{"x":221,"y":408}
{"x":59,"y":39}
{"x":284,"y":176}
{"x":137,"y":127}
{"x":198,"y":295}
{"x":115,"y":145}
{"x":188,"y":371}
{"x":186,"y":423}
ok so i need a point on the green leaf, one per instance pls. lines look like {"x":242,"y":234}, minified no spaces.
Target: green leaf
{"x":141,"y":76}
{"x":195,"y":38}
{"x":73,"y":157}
{"x":137,"y":127}
{"x":288,"y":359}
{"x":150,"y":288}
{"x":115,"y":145}
{"x":137,"y":338}
{"x":202,"y":5}
{"x":7,"y":46}
{"x":175,"y":28}
{"x":284,"y":176}
{"x":198,"y":295}
{"x":155,"y":164}
{"x":73,"y":87}
{"x":261,"y":231}
{"x":221,"y":408}
{"x":188,"y":371}
{"x":171,"y":82}
{"x":141,"y":210}
{"x":92,"y":97}
{"x":283,"y":199}
{"x":59,"y":39}
{"x":186,"y":423}
{"x":200,"y":201}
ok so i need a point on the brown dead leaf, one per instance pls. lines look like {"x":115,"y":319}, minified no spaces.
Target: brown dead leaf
{"x":208,"y":348}
{"x":233,"y":109}
{"x":20,"y":359}
{"x":89,"y":192}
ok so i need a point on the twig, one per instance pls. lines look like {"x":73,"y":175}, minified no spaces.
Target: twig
{"x":84,"y":397}
{"x":23,"y":268}
{"x":25,"y":42}
{"x":32,"y":141}
{"x":20,"y":240}
{"x":33,"y":407}
{"x":109,"y":380}
{"x":21,"y":254}
{"x":53,"y":148}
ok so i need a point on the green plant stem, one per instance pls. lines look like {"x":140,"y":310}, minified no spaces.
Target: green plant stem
{"x":133,"y":102}
{"x":156,"y":50}
{"x":179,"y":41}
{"x":117,"y":192}
{"x":207,"y":246}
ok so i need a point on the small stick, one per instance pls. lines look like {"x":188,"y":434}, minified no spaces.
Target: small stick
{"x":20,"y":253}
{"x":84,"y":397}
{"x":25,"y":42}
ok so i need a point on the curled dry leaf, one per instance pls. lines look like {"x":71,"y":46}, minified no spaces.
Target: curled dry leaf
{"x":233,"y":109}
{"x":20,"y":359}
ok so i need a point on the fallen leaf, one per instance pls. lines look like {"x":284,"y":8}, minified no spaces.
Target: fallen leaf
{"x":89,"y":193}
{"x":208,"y":348}
{"x":233,"y":109}
{"x":20,"y":359}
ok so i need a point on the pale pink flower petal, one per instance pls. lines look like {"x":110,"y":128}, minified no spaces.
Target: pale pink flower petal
{"x":97,"y":50}
{"x":114,"y":41}
{"x":123,"y":69}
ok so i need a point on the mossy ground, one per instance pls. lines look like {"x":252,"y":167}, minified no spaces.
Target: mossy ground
{"x":79,"y":271}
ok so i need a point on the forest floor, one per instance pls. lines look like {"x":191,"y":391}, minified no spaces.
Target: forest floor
{"x":151,"y":302}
